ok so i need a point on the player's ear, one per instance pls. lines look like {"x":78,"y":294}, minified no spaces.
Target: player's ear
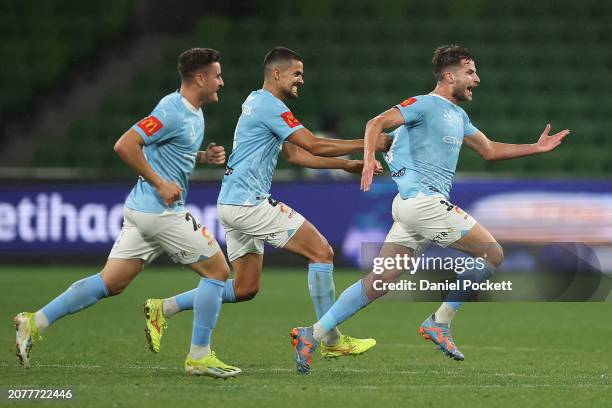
{"x":276,"y":73}
{"x":449,"y":76}
{"x":200,"y":79}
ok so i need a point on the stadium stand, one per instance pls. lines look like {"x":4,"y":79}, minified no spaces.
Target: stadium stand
{"x":44,"y":40}
{"x":362,"y":59}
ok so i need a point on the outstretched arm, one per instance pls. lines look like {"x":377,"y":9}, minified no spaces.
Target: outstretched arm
{"x":324,"y":147}
{"x":386,"y":120}
{"x":129,"y":148}
{"x":297,"y":155}
{"x":490,"y":150}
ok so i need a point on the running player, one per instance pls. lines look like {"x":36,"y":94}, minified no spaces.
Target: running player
{"x":422,"y":159}
{"x":163,"y":148}
{"x":251,"y":217}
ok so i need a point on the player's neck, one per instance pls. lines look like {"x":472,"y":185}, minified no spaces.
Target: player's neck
{"x":445,"y":92}
{"x":191,"y":96}
{"x":273,"y":90}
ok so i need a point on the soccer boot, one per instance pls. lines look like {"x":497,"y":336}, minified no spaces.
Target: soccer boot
{"x":210,"y":366}
{"x":346,"y":346}
{"x":304,"y":345}
{"x":439,"y":334}
{"x":27,"y":335}
{"x":155,"y":323}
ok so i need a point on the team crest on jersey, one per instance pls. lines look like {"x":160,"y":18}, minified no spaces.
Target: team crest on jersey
{"x":407,"y":102}
{"x":290,"y":120}
{"x":150,"y":125}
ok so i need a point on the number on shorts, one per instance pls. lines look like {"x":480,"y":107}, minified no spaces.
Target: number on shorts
{"x":189,"y":217}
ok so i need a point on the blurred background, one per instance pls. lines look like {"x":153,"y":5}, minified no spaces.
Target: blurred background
{"x":75,"y":75}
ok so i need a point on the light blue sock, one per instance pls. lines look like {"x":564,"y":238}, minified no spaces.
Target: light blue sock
{"x":456,"y":298}
{"x":321,"y":287}
{"x":228,"y":292}
{"x":352,"y":300}
{"x":185,"y":299}
{"x":206,"y":308}
{"x":78,"y":296}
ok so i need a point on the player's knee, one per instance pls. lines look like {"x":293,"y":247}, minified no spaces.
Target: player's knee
{"x":220,"y":272}
{"x":495,"y":255}
{"x":323,"y":254}
{"x":246,"y":293}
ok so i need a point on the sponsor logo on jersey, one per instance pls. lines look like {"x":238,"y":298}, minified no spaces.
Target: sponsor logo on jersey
{"x":150,"y":125}
{"x":407,"y":102}
{"x":290,"y":120}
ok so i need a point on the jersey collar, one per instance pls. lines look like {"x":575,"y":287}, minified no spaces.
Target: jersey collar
{"x":441,"y":97}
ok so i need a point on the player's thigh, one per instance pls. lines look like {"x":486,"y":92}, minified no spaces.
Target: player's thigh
{"x":434,"y":218}
{"x":480,"y":243}
{"x":118,"y":273}
{"x":131,"y":252}
{"x":131,"y":243}
{"x":271,"y":221}
{"x":311,"y":244}
{"x":181,"y":235}
{"x":213,"y":267}
{"x":240,"y":244}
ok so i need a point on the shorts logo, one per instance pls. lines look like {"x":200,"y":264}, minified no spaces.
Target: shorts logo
{"x":461,"y":212}
{"x":399,"y":173}
{"x":284,"y":209}
{"x":206,"y":234}
{"x":290,"y":120}
{"x":150,"y":125}
{"x":407,"y":102}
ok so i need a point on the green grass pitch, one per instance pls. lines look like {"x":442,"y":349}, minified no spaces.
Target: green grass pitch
{"x":517,"y":354}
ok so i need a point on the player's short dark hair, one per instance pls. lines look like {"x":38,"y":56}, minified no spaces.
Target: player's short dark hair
{"x":448,"y":56}
{"x":280,"y":55}
{"x":195,"y":59}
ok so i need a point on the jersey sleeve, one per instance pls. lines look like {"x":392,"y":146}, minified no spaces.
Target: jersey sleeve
{"x":468,"y":128}
{"x":281,"y":122}
{"x":411,"y":110}
{"x":161,"y":125}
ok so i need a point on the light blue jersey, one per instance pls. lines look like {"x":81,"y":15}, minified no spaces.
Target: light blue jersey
{"x":424,"y":153}
{"x":172,"y":134}
{"x":263,"y":127}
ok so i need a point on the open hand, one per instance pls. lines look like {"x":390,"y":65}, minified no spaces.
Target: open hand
{"x":370,"y":169}
{"x":547,"y":142}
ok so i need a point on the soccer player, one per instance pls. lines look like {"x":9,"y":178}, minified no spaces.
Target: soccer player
{"x":422,"y":159}
{"x":163,"y":148}
{"x":251,"y":217}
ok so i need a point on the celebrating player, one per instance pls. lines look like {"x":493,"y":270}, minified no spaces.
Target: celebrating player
{"x":423,"y":159}
{"x":251,"y":217}
{"x":163,"y":148}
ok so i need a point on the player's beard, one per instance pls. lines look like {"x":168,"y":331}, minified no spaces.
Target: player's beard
{"x":460,"y":94}
{"x":291,"y":95}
